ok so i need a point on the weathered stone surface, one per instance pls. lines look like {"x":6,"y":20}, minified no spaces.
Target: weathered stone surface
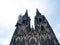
{"x":41,"y":35}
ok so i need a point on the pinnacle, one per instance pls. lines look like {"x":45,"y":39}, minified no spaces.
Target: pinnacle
{"x":26,"y":13}
{"x":38,"y":13}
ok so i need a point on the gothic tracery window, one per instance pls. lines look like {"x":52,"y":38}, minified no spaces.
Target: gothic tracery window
{"x":40,"y":20}
{"x":20,"y":42}
{"x":24,"y":21}
{"x":17,"y":41}
{"x":23,"y":42}
{"x":32,"y":42}
{"x":42,"y":41}
{"x":48,"y":41}
{"x":42,"y":28}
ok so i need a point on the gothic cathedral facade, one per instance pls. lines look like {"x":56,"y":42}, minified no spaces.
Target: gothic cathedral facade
{"x":41,"y":35}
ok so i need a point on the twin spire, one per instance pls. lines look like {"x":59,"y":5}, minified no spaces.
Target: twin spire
{"x":37,"y":13}
{"x":26,"y":17}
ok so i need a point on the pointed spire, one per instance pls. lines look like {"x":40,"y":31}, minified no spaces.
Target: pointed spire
{"x":26,"y":13}
{"x":38,"y":13}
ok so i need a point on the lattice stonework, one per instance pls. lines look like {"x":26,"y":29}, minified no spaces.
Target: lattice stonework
{"x":41,"y":35}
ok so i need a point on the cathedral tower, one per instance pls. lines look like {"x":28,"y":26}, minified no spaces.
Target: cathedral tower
{"x":47,"y":36}
{"x":41,"y":35}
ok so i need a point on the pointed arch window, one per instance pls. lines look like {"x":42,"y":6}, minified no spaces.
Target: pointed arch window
{"x":24,"y":21}
{"x":23,"y":42}
{"x":42,"y":28}
{"x":48,"y":41}
{"x":17,"y":41}
{"x":40,"y":20}
{"x":32,"y":42}
{"x":42,"y":41}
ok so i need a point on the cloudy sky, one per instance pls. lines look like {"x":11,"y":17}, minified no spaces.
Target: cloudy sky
{"x":11,"y":9}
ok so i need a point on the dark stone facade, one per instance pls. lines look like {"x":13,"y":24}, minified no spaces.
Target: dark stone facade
{"x":41,"y":35}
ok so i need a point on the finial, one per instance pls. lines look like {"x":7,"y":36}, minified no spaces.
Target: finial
{"x":26,"y":13}
{"x":38,"y":13}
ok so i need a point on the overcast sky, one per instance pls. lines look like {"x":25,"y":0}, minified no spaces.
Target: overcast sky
{"x":11,"y":9}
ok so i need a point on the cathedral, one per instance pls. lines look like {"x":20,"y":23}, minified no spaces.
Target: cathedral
{"x":42,"y":34}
